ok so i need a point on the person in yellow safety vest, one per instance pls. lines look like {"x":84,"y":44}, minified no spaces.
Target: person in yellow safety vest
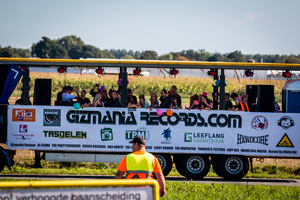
{"x":243,"y":105}
{"x":141,"y":165}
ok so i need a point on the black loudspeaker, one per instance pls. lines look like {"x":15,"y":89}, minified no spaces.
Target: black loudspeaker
{"x":260,"y":98}
{"x":251,"y":91}
{"x":42,"y":92}
{"x":265,"y":101}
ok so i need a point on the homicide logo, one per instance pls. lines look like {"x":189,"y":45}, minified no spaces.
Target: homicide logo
{"x":23,"y":115}
{"x":142,"y":132}
{"x":259,"y":123}
{"x":286,"y":122}
{"x":167,"y":135}
{"x":106,"y":134}
{"x":52,"y":117}
{"x":285,"y":142}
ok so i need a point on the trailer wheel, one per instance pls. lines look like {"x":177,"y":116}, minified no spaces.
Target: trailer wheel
{"x":178,"y":160}
{"x":195,"y":166}
{"x":166,"y":163}
{"x":233,"y":167}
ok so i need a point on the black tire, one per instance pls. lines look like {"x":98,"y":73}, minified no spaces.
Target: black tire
{"x":166,"y":163}
{"x":233,"y":167}
{"x":178,"y":160}
{"x":195,"y":166}
{"x":215,"y":165}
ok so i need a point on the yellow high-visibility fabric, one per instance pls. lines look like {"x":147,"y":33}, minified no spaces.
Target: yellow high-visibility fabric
{"x":140,"y":162}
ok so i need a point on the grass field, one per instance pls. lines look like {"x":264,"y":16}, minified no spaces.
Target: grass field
{"x":269,"y":168}
{"x":194,"y":191}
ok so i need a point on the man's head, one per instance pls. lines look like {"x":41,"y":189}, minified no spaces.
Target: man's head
{"x":227,"y":96}
{"x":163,"y":93}
{"x":83,"y":93}
{"x":138,"y":143}
{"x":69,"y":89}
{"x":174,"y":89}
{"x":114,"y":94}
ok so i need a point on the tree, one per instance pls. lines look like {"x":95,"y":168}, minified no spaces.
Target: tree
{"x":292,"y":59}
{"x":129,"y":57}
{"x":215,"y":57}
{"x":47,"y":48}
{"x":7,"y":52}
{"x":182,"y":58}
{"x":236,"y":56}
{"x":148,"y":55}
{"x":168,"y":56}
{"x":73,"y":45}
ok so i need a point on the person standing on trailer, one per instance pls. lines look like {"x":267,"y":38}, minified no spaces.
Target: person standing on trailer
{"x":141,"y":165}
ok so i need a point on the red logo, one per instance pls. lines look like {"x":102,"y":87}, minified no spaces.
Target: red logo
{"x":23,"y":115}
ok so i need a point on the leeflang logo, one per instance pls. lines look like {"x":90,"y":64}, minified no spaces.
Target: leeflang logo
{"x":286,"y":122}
{"x":259,"y":123}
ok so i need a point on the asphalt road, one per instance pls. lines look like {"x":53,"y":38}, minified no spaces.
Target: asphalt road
{"x":206,"y":180}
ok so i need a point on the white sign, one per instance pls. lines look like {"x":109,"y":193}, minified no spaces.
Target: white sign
{"x":79,"y":194}
{"x":110,"y":130}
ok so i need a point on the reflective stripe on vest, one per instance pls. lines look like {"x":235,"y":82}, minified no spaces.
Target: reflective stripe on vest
{"x":243,"y":106}
{"x":140,"y":164}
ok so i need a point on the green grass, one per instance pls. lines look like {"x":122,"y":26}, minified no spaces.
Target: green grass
{"x":192,"y":190}
{"x":260,"y":171}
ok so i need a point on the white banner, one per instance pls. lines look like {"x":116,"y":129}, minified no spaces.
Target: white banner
{"x":110,"y":130}
{"x":133,"y":193}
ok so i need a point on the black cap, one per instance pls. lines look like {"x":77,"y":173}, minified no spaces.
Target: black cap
{"x":139,"y":140}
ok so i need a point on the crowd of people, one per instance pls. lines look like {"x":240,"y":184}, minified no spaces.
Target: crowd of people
{"x":168,"y":99}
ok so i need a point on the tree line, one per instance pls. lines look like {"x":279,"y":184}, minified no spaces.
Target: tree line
{"x":73,"y":47}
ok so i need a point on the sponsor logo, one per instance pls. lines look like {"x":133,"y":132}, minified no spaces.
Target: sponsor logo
{"x":244,"y":139}
{"x":23,"y":115}
{"x":142,"y":132}
{"x":23,"y":133}
{"x":66,"y":134}
{"x":204,"y":137}
{"x":286,"y":122}
{"x":167,"y":135}
{"x":285,"y":142}
{"x":52,"y":117}
{"x":23,"y":128}
{"x":193,"y":119}
{"x":259,"y":123}
{"x":97,"y":117}
{"x":106,"y":134}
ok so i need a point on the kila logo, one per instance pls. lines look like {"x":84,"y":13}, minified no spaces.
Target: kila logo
{"x":259,"y":123}
{"x":106,"y":134}
{"x":167,"y":135}
{"x":286,"y":122}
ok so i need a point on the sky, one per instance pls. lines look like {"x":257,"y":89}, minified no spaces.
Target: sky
{"x":265,"y":27}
